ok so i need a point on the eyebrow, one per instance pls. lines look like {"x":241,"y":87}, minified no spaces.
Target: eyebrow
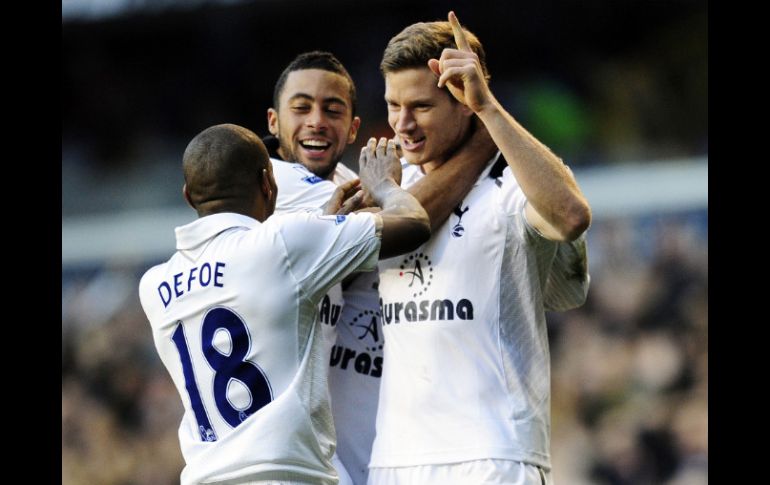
{"x":331,"y":99}
{"x":411,"y":102}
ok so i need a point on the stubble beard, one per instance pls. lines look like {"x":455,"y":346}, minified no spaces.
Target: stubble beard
{"x":290,"y":156}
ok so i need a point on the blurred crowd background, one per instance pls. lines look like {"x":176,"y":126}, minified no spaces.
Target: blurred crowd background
{"x":617,"y":88}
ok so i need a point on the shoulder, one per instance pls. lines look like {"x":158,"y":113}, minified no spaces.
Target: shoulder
{"x":295,"y":172}
{"x":148,"y":285}
{"x":310,"y":222}
{"x":151,"y":275}
{"x":343,"y":174}
{"x":298,"y":188}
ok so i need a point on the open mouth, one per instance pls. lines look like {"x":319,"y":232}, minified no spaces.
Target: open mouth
{"x":315,"y":146}
{"x":412,"y":144}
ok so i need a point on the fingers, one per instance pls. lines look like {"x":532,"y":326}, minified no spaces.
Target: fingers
{"x":367,"y":152}
{"x":340,"y":201}
{"x":460,"y":40}
{"x":399,"y":151}
{"x":352,"y":204}
{"x":452,"y":58}
{"x":381,"y":147}
{"x":334,"y":202}
{"x":390,"y":149}
{"x":433,"y":65}
{"x":362,"y":159}
{"x":447,"y":62}
{"x":450,"y":73}
{"x":350,"y":188}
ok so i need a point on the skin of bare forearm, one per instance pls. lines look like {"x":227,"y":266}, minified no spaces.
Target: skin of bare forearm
{"x":550,"y":188}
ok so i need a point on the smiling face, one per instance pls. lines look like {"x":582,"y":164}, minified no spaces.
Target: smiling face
{"x":314,"y":121}
{"x":430,"y":124}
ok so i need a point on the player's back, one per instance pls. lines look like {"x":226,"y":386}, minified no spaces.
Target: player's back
{"x":232,"y":317}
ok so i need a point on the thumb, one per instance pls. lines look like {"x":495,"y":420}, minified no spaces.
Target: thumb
{"x":433,"y":65}
{"x":352,"y":204}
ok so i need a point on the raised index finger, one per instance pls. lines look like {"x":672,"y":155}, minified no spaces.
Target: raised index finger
{"x":460,"y":40}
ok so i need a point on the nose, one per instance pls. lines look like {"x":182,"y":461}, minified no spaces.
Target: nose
{"x":316,"y":119}
{"x":405,"y":121}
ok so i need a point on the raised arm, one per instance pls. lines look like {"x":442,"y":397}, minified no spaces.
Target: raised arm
{"x":405,"y":224}
{"x":556,"y":206}
{"x":441,"y":190}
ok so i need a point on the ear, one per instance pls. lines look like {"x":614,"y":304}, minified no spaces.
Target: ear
{"x":186,"y":196}
{"x":268,"y":185}
{"x":354,"y":129}
{"x":272,"y":121}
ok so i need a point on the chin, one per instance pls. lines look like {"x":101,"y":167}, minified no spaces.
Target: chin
{"x":322,"y":168}
{"x":415,"y":159}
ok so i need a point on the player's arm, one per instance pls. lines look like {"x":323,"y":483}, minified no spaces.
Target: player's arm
{"x":556,"y":207}
{"x":405,"y":224}
{"x":441,"y":190}
{"x":568,"y":278}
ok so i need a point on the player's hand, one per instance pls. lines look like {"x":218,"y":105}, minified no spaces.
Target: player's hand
{"x":460,"y":71}
{"x":379,"y":166}
{"x":346,"y":198}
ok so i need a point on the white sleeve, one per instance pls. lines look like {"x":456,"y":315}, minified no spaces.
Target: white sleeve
{"x":568,"y":279}
{"x":512,"y":203}
{"x":322,"y":250}
{"x":512,"y":199}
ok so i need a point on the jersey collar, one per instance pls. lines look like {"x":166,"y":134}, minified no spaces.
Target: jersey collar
{"x":201,"y":230}
{"x":494,"y":167}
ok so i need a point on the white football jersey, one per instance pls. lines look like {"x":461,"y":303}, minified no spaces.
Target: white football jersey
{"x":299,"y":190}
{"x":354,"y":377}
{"x":233,"y":318}
{"x":351,"y":324}
{"x":467,"y":371}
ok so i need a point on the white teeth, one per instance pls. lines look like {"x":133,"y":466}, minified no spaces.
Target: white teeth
{"x":315,"y":143}
{"x":412,"y":142}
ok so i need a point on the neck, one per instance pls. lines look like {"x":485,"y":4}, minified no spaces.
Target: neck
{"x":428,"y":167}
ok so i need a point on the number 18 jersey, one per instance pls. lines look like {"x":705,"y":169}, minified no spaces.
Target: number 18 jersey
{"x":233,"y":316}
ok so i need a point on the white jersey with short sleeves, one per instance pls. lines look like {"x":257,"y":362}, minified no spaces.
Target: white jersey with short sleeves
{"x":351,"y":323}
{"x":299,"y":190}
{"x":356,"y":369}
{"x":233,"y":317}
{"x":467,"y":368}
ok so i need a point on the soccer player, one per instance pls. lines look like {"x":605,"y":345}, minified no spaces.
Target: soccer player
{"x":233,"y":312}
{"x":465,"y":391}
{"x":312,"y":120}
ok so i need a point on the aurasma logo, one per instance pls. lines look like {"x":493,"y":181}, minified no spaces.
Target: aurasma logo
{"x":418,"y":269}
{"x":425,"y":310}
